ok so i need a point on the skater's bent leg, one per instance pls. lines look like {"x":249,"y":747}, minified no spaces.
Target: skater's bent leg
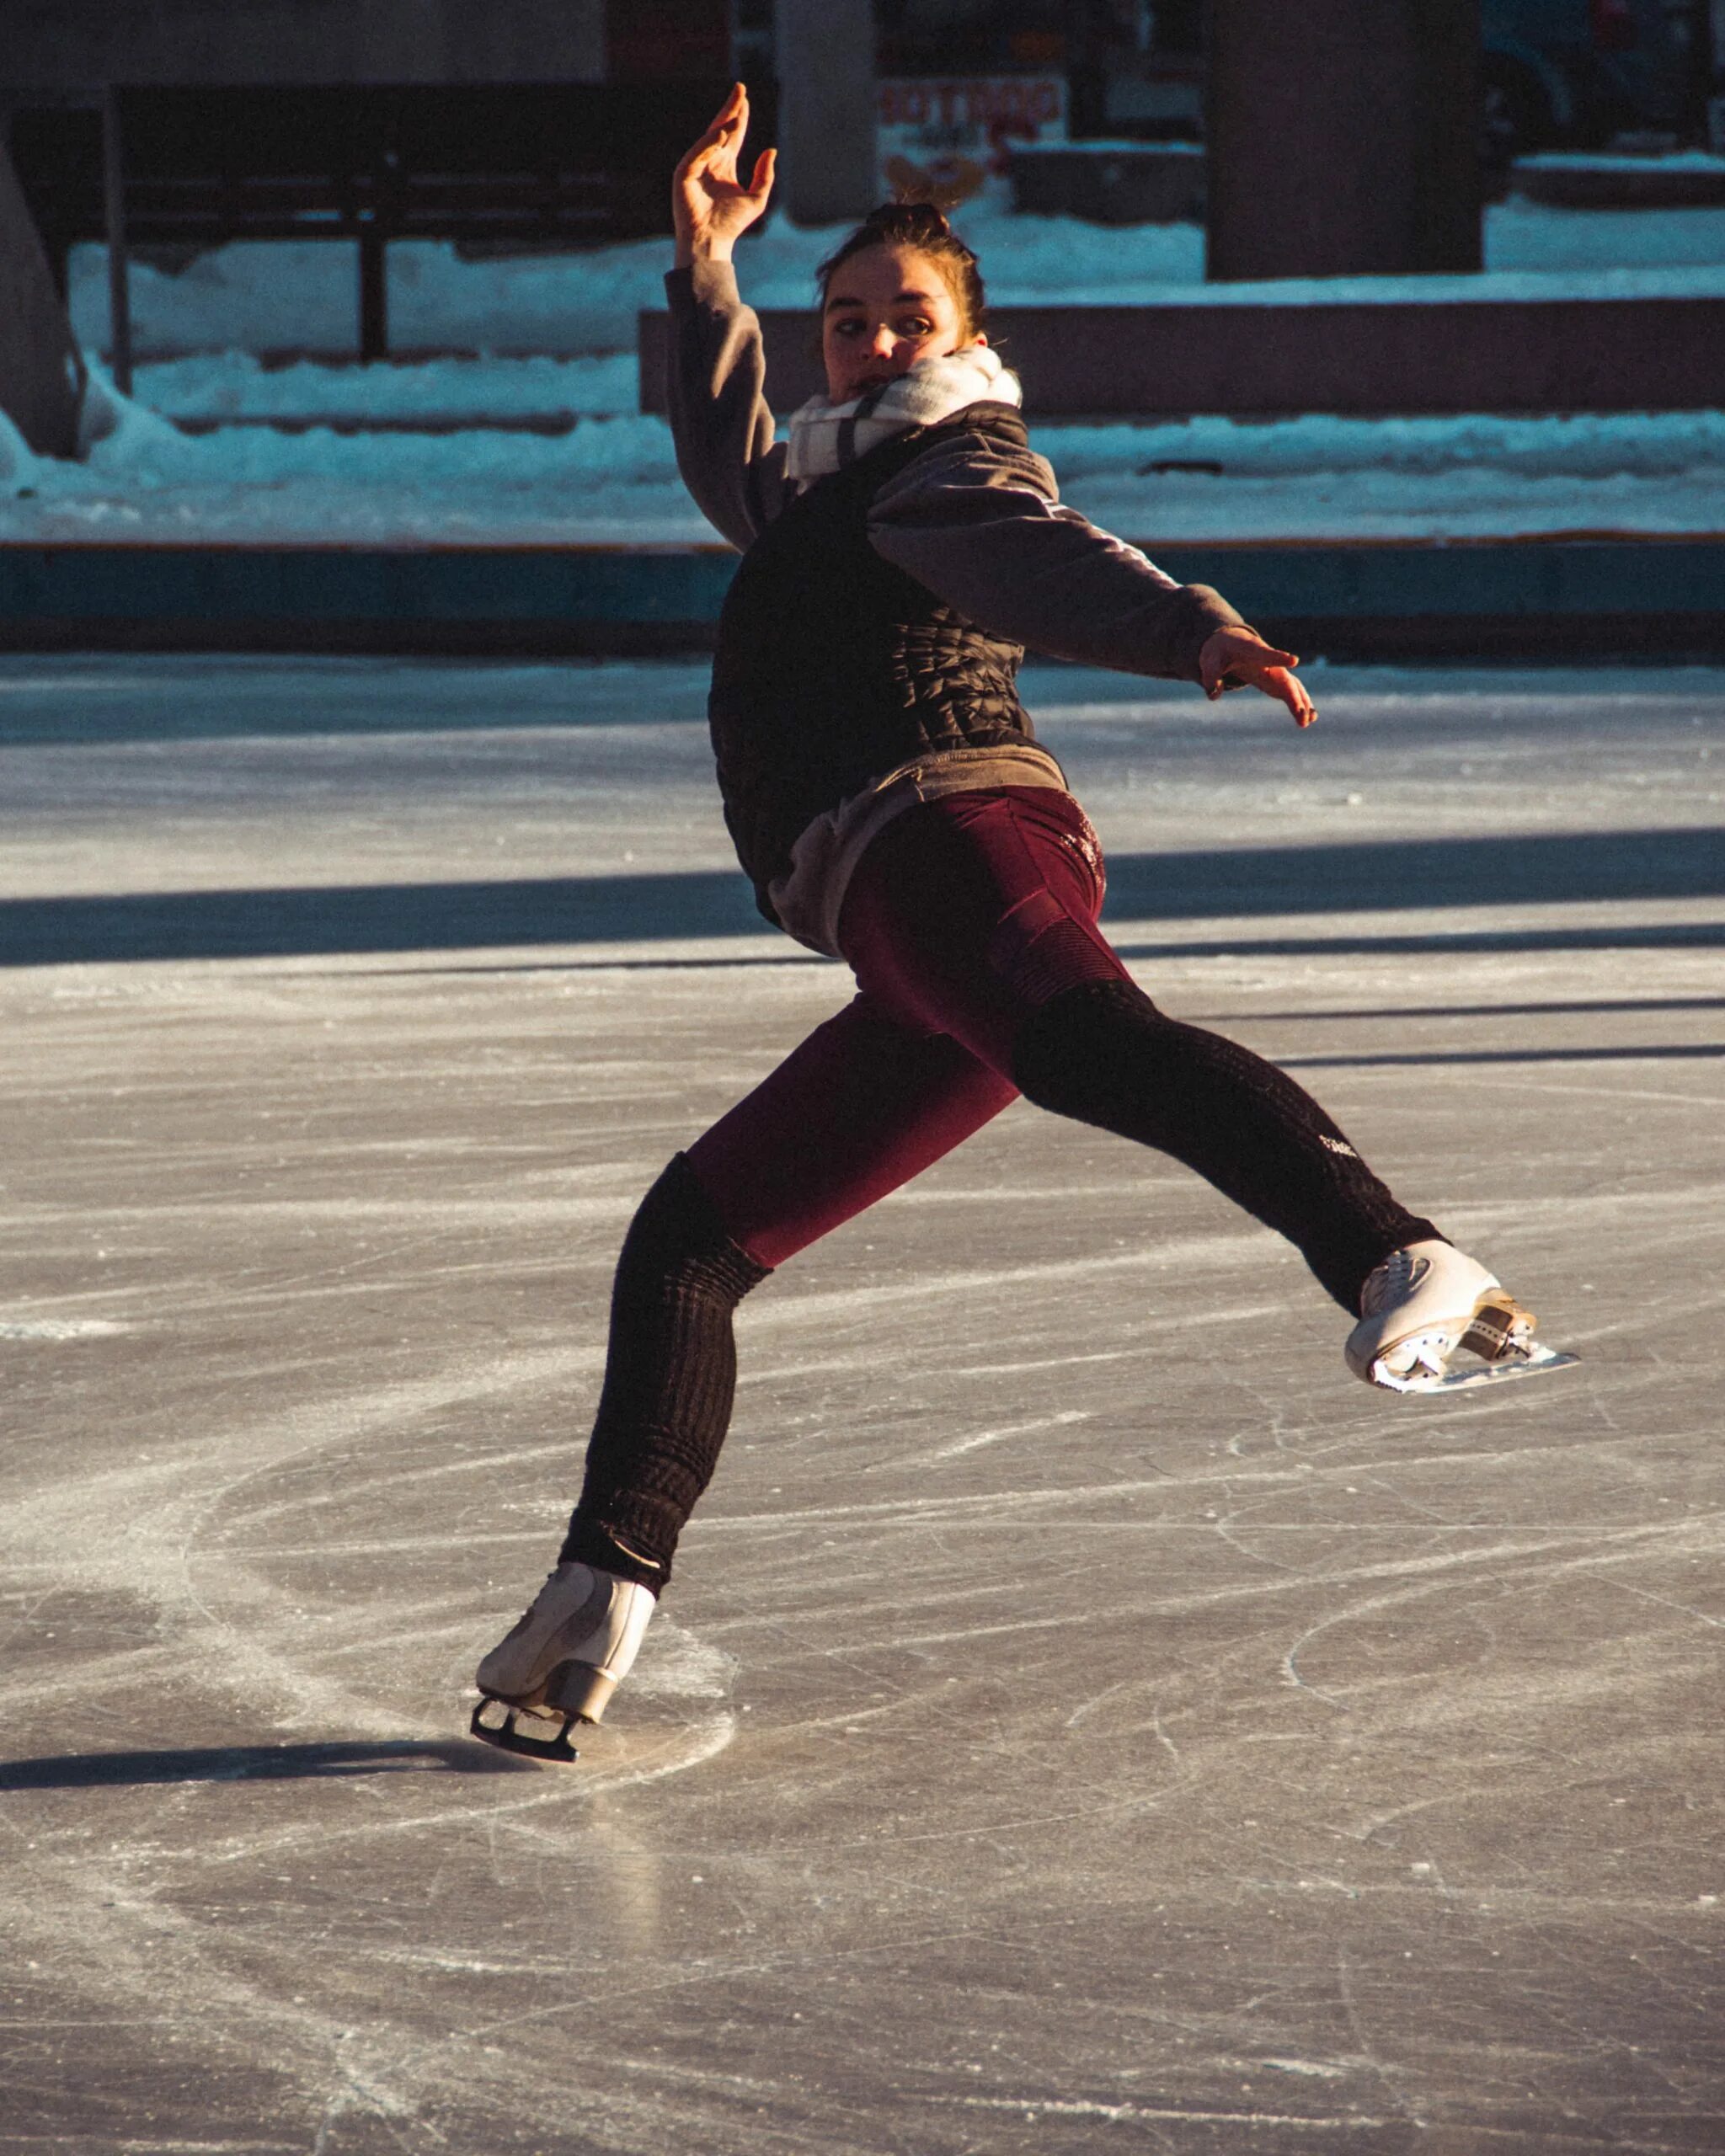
{"x":670,"y":1373}
{"x":1102,"y":1052}
{"x":978,"y":914}
{"x":860,"y":1107}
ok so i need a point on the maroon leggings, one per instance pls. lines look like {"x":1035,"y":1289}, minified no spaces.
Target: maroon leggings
{"x":941,"y":926}
{"x":970,"y":925}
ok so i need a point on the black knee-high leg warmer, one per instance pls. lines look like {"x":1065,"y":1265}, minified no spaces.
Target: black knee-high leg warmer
{"x":1102,"y":1054}
{"x":671,"y":1373}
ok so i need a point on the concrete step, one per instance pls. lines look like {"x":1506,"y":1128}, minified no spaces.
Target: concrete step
{"x":1441,"y":354}
{"x":1600,"y":593}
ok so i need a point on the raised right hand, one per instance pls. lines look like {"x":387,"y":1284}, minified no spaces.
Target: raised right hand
{"x":711,"y":207}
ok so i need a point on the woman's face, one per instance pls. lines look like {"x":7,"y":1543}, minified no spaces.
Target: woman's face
{"x":886,"y":308}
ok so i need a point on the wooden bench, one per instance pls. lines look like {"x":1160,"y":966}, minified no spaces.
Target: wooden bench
{"x":538,"y":164}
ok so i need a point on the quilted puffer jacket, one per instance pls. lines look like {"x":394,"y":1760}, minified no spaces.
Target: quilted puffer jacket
{"x":834,"y":666}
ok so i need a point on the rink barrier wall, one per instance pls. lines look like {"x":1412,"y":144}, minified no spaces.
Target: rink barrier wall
{"x":1604,"y":594}
{"x":1369,"y":358}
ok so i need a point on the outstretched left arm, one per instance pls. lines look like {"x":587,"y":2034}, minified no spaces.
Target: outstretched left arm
{"x":1237,"y":657}
{"x":980,"y":523}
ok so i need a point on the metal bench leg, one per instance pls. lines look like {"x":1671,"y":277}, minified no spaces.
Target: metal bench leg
{"x":374,"y":295}
{"x":119,"y":278}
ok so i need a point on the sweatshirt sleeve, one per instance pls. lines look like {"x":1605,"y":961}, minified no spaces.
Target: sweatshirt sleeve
{"x":719,"y":421}
{"x":981,"y":523}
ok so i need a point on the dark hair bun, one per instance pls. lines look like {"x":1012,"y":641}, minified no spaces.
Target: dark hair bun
{"x":913,"y":223}
{"x":920,"y":225}
{"x":903,"y":208}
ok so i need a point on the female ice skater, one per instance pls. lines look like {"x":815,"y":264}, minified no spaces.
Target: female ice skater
{"x":890,"y":804}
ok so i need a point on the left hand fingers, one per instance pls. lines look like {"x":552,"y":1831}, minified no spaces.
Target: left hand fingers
{"x":1238,"y":658}
{"x":1274,"y":681}
{"x":1278,"y":681}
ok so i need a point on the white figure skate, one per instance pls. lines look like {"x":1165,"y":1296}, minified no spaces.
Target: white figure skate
{"x":1422,"y":1306}
{"x":560,"y":1663}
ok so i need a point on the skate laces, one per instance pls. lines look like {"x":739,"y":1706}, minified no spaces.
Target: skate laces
{"x":1399,"y":1272}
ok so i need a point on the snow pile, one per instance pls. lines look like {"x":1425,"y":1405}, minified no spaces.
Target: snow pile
{"x":303,"y":295}
{"x":229,"y":384}
{"x":613,"y":480}
{"x":1608,"y":249}
{"x":610,"y":481}
{"x":1471,"y":478}
{"x":611,"y":477}
{"x":1628,"y":161}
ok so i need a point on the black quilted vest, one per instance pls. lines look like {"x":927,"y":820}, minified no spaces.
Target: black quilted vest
{"x":834,"y":667}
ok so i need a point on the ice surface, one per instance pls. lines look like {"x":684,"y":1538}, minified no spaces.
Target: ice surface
{"x":1085,"y":1717}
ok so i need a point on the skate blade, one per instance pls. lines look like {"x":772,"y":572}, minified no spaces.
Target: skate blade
{"x":1534,"y":1363}
{"x":1527,"y":1362}
{"x":505,"y":1736}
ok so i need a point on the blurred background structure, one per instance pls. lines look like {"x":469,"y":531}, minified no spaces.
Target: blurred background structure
{"x":1342,"y":138}
{"x":1488,"y":235}
{"x":163,"y":125}
{"x":824,"y":56}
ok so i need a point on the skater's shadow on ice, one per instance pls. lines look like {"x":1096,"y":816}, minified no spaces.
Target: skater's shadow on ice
{"x":261,"y":1763}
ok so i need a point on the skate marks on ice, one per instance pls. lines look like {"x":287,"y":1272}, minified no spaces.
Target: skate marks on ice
{"x":1255,"y":1762}
{"x":134,"y":1904}
{"x":195,"y":1545}
{"x":59,"y":1328}
{"x":376,"y":1949}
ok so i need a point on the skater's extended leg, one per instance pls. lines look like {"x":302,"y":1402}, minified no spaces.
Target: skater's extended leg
{"x":1102,"y":1053}
{"x":978,"y":913}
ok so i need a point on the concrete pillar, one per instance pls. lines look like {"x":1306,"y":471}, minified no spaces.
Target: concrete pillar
{"x":1710,"y":39}
{"x":828,"y":169}
{"x":41,"y":374}
{"x":1343,"y":138}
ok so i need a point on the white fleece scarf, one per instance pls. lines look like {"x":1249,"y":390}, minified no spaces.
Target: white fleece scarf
{"x":826,"y":437}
